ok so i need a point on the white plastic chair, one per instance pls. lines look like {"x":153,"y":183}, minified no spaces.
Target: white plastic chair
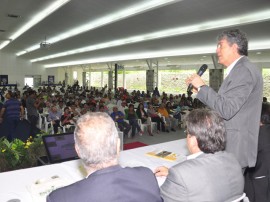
{"x":243,"y":197}
{"x":48,"y":124}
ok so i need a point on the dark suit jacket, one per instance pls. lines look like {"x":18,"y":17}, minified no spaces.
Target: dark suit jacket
{"x":209,"y":177}
{"x":257,"y":179}
{"x":113,"y":184}
{"x":239,"y":102}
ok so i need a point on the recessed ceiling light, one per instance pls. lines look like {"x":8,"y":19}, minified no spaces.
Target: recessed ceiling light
{"x":258,"y":53}
{"x":204,"y":56}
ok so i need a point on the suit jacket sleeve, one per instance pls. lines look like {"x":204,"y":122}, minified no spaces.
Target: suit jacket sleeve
{"x":174,"y":188}
{"x":233,"y":93}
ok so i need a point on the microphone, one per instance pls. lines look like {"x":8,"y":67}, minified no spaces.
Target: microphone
{"x":200,"y":72}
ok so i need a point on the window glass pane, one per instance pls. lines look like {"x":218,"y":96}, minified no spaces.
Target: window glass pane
{"x":173,"y":81}
{"x":136,"y":80}
{"x":120,"y":78}
{"x":96,"y":79}
{"x":105,"y":78}
{"x":266,"y":83}
{"x":75,"y":75}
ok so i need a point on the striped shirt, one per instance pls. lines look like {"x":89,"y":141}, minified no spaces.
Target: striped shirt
{"x":12,"y":108}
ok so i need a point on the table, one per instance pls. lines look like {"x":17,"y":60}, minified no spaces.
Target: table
{"x":17,"y":184}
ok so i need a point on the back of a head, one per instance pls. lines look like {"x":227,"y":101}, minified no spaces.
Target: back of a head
{"x":96,"y":140}
{"x":208,"y":128}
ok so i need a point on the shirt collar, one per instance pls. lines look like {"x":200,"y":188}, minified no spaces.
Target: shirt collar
{"x":193,"y":156}
{"x":230,"y":67}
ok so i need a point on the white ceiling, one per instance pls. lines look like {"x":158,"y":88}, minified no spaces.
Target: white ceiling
{"x":187,"y":49}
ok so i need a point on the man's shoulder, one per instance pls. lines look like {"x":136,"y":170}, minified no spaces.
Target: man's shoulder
{"x":208,"y":160}
{"x":245,"y":65}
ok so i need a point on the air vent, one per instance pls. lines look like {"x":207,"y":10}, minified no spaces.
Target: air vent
{"x":13,"y":16}
{"x":1,"y":30}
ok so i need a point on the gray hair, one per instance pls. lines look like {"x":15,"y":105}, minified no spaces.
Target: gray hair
{"x":236,"y":36}
{"x":208,"y":128}
{"x":96,"y":139}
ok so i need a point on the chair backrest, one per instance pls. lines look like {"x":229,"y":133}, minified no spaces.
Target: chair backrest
{"x":241,"y":198}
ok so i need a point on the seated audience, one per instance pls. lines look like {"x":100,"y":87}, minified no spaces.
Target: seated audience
{"x":170,"y":121}
{"x":102,"y":108}
{"x":106,"y":180}
{"x":132,"y":117}
{"x":209,"y":173}
{"x":173,"y":113}
{"x":118,"y":117}
{"x":55,"y":116}
{"x":67,"y":119}
{"x":151,"y":112}
{"x":141,"y":113}
{"x":257,"y":185}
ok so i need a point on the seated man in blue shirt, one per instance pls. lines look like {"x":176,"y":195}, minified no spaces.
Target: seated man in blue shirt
{"x":118,"y":117}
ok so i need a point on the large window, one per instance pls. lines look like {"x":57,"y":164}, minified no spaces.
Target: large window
{"x":120,"y":78}
{"x":96,"y":79}
{"x":173,"y":81}
{"x":136,"y":80}
{"x":105,"y":78}
{"x":266,"y":83}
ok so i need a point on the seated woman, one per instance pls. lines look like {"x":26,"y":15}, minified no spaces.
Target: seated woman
{"x":133,"y":120}
{"x":175,"y":114}
{"x":170,"y":121}
{"x":155,"y":118}
{"x":141,"y":113}
{"x":67,"y":118}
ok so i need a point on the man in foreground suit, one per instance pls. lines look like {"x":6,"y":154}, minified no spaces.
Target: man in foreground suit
{"x":238,"y":100}
{"x":209,"y":173}
{"x":98,"y":146}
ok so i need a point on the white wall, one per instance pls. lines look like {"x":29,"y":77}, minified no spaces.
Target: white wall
{"x":16,"y":69}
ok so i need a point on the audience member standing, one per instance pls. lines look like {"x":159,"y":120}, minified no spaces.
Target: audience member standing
{"x":98,"y":145}
{"x":32,"y":105}
{"x":239,"y":99}
{"x":12,"y":111}
{"x":209,"y":173}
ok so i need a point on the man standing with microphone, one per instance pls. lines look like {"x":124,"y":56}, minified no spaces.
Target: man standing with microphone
{"x":239,"y":98}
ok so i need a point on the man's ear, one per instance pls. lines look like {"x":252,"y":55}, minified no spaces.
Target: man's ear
{"x":193,"y":143}
{"x":77,"y":150}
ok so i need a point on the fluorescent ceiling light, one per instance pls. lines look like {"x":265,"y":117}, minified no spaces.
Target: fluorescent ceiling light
{"x":36,"y":19}
{"x":145,"y":55}
{"x":158,"y":54}
{"x":113,"y":17}
{"x":239,"y":20}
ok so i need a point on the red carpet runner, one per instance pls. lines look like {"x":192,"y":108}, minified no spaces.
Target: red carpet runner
{"x":134,"y":145}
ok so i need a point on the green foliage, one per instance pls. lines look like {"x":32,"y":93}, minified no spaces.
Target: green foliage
{"x":18,"y":154}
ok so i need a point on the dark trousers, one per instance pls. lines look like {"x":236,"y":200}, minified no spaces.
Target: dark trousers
{"x":12,"y":125}
{"x":134,"y":124}
{"x":125,"y":127}
{"x":159,"y":122}
{"x":33,"y":125}
{"x":55,"y":126}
